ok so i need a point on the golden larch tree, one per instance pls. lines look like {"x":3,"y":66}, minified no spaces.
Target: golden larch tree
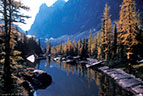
{"x":69,"y":45}
{"x":99,"y":46}
{"x":127,"y":27}
{"x":74,"y":46}
{"x":107,"y":34}
{"x":65,"y":48}
{"x":89,"y":42}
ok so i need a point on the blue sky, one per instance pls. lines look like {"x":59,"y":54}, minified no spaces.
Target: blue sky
{"x":34,"y":8}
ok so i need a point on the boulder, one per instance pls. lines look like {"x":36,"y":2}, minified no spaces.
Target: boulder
{"x":38,"y":79}
{"x":126,"y":83}
{"x":71,"y":61}
{"x":138,"y":89}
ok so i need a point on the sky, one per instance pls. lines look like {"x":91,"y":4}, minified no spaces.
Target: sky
{"x":34,"y":8}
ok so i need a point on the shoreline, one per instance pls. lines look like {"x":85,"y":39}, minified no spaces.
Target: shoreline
{"x":126,"y":81}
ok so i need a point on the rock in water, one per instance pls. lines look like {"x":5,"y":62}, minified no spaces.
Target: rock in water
{"x":38,"y":79}
{"x":41,"y":80}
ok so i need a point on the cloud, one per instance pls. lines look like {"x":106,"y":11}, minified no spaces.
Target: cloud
{"x":66,"y":0}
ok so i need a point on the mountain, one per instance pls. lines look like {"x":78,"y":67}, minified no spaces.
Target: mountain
{"x":46,"y":19}
{"x":64,"y":38}
{"x":76,"y":37}
{"x":20,"y":29}
{"x":74,"y":16}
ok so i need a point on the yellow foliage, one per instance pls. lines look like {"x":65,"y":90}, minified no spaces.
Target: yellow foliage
{"x":65,"y":48}
{"x":69,"y":45}
{"x":106,"y":32}
{"x":89,"y":42}
{"x":92,"y":48}
{"x":2,"y":53}
{"x":53,"y":50}
{"x":2,"y":60}
{"x":127,"y":23}
{"x":127,"y":26}
{"x":16,"y":52}
{"x":74,"y":46}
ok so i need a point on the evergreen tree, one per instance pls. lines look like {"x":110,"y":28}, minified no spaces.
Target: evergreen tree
{"x":53,"y":50}
{"x":115,"y":42}
{"x":81,"y":49}
{"x":48,"y":47}
{"x":99,"y":57}
{"x":108,"y":32}
{"x":93,"y":48}
{"x":89,"y":42}
{"x":101,"y":45}
{"x":61,"y":48}
{"x":127,"y":28}
{"x":85,"y":48}
{"x":69,"y":46}
{"x":11,"y":13}
{"x":66,"y":48}
{"x":74,"y":47}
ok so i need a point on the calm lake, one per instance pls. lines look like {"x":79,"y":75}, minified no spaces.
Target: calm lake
{"x":77,"y":80}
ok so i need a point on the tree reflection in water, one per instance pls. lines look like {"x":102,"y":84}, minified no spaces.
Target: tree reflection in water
{"x":48,"y":62}
{"x":106,"y":85}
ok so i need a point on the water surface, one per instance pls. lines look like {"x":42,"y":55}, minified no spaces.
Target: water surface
{"x":76,"y":80}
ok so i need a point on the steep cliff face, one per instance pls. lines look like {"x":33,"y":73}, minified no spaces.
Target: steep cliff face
{"x":66,"y":18}
{"x":46,"y":19}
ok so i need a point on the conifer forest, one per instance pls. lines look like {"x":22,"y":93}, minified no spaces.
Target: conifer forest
{"x":97,"y":59}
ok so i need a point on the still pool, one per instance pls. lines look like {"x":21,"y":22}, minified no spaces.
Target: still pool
{"x":77,"y":80}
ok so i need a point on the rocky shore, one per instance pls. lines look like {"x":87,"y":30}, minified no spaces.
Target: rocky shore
{"x":32,"y":80}
{"x":127,"y":81}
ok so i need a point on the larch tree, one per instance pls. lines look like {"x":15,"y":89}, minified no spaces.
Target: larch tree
{"x":99,"y":46}
{"x":93,"y":47}
{"x":81,"y":48}
{"x":61,"y":48}
{"x":127,"y":28}
{"x":48,"y":49}
{"x":74,"y":47}
{"x":66,"y":48}
{"x":95,"y":44}
{"x":89,"y":42}
{"x":114,"y":48}
{"x":107,"y":32}
{"x":53,"y":50}
{"x":69,"y":46}
{"x":85,"y":47}
{"x":11,"y":13}
{"x":78,"y":47}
